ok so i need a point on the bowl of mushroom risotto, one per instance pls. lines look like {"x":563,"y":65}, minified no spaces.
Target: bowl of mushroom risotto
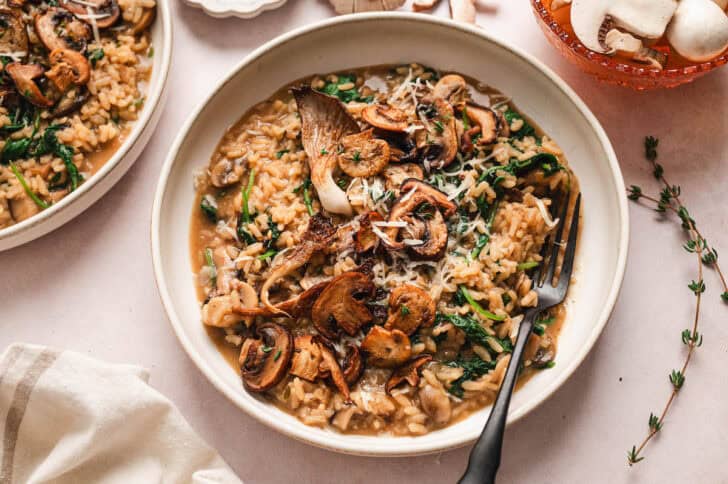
{"x":362,"y":232}
{"x":80,"y":90}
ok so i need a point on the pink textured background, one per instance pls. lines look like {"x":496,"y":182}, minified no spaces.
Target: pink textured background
{"x":89,"y":287}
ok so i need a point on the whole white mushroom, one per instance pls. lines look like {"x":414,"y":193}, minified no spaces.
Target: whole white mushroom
{"x":698,"y":30}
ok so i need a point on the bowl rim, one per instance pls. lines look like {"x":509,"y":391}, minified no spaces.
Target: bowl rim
{"x":153,"y":99}
{"x":414,"y":447}
{"x":572,"y":42}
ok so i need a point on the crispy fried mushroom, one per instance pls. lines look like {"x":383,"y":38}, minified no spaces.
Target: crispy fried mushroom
{"x":307,"y":357}
{"x":386,"y":348}
{"x":385,"y":117}
{"x":23,"y":76}
{"x":105,"y":12}
{"x":365,"y":239}
{"x":362,"y":155}
{"x":60,"y":29}
{"x":410,"y":308}
{"x":409,"y":373}
{"x":353,"y":364}
{"x":341,"y":305}
{"x":324,"y":122}
{"x":13,"y":36}
{"x":68,"y":68}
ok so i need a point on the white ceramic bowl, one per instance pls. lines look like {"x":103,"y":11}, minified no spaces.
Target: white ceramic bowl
{"x":235,"y":8}
{"x":361,"y":40}
{"x":110,"y":173}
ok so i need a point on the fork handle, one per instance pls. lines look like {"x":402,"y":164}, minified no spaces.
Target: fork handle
{"x":485,"y":456}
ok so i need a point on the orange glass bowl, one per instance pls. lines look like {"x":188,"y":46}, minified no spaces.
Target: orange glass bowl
{"x":615,"y":70}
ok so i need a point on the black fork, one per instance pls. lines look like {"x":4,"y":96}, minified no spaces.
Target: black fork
{"x":486,"y":454}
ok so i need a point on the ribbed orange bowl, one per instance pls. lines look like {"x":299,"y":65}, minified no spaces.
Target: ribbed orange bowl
{"x":615,"y":70}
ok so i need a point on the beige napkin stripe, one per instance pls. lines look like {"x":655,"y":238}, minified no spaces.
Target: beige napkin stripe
{"x":17,"y":408}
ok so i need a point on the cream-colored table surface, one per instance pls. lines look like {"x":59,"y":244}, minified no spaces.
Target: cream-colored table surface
{"x":89,"y":287}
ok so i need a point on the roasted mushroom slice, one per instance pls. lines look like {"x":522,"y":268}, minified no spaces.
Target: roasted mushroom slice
{"x":386,"y":348}
{"x":68,"y":68}
{"x":416,"y":195}
{"x":442,"y":138}
{"x":385,"y":117}
{"x":324,"y":122}
{"x":409,"y":308}
{"x":307,"y":357}
{"x":23,"y":76}
{"x":331,"y":366}
{"x":70,"y":102}
{"x":341,"y":305}
{"x":296,"y":307}
{"x":144,"y":21}
{"x":318,"y":235}
{"x":220,"y":311}
{"x":264,"y":361}
{"x":13,"y":36}
{"x":353,"y":365}
{"x":409,"y":373}
{"x":60,"y":29}
{"x":488,"y":122}
{"x":450,"y":87}
{"x":425,"y":233}
{"x":362,"y":155}
{"x":104,"y":12}
{"x":365,"y":239}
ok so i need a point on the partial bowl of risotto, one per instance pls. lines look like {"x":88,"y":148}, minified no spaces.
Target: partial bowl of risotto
{"x":346,"y":252}
{"x":81,"y":90}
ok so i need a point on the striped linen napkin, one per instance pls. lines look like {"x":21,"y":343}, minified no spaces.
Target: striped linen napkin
{"x":67,"y":418}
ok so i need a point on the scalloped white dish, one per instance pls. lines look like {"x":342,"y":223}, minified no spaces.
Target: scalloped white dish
{"x":235,"y":8}
{"x":394,"y":38}
{"x":122,"y":159}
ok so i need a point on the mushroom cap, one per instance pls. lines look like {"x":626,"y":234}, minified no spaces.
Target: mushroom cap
{"x":395,"y":175}
{"x":60,"y":29}
{"x":264,"y":361}
{"x":108,"y":10}
{"x":388,"y":118}
{"x":307,"y":357}
{"x":69,"y":68}
{"x":362,"y":155}
{"x":330,"y":366}
{"x":443,"y":137}
{"x":487,"y":120}
{"x":365,"y":239}
{"x":341,"y":305}
{"x":14,"y":38}
{"x":592,"y":19}
{"x":448,"y":86}
{"x":699,"y":30}
{"x":408,"y":373}
{"x":353,"y":364}
{"x":324,"y":122}
{"x":386,"y":348}
{"x":409,"y":308}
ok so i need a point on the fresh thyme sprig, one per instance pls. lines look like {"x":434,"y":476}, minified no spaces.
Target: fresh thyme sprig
{"x":669,"y":202}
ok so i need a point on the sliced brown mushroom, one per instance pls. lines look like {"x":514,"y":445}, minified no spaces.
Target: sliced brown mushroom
{"x":386,"y":348}
{"x":409,"y":308}
{"x":145,"y":20}
{"x":219,"y":311}
{"x":365,"y":239}
{"x":60,"y":29}
{"x":296,"y":307}
{"x":409,"y":373}
{"x":488,"y":122}
{"x":340,"y":305}
{"x":68,"y":68}
{"x":362,"y":155}
{"x":318,"y":235}
{"x":307,"y":357}
{"x":264,"y":361}
{"x":105,"y":12}
{"x":442,"y":137}
{"x":23,"y":76}
{"x":331,"y":366}
{"x":417,"y":195}
{"x":224,"y":171}
{"x":70,"y":102}
{"x":449,"y":86}
{"x":429,"y":228}
{"x":324,"y":122}
{"x":543,"y":356}
{"x":13,"y":36}
{"x":353,"y":364}
{"x":385,"y":117}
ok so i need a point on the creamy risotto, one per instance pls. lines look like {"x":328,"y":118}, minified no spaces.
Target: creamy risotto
{"x":362,"y":243}
{"x":70,"y":88}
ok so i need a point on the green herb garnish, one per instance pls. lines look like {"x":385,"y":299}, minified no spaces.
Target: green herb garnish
{"x":38,"y":201}
{"x":94,"y":56}
{"x":524,"y":266}
{"x":404,"y":310}
{"x":305,"y":188}
{"x":211,"y":265}
{"x":209,"y":209}
{"x":477,"y":307}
